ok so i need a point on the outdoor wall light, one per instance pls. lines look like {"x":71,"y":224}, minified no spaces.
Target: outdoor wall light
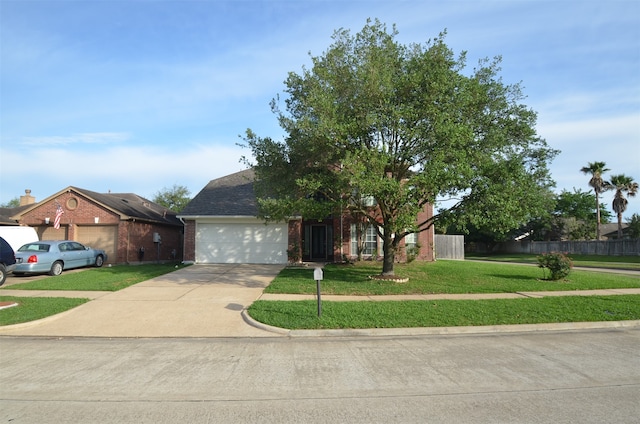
{"x":46,"y":220}
{"x":96,"y":219}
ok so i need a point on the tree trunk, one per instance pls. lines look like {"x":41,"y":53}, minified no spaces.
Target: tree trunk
{"x":619,"y":226}
{"x":389,"y":252}
{"x":597,"y":215}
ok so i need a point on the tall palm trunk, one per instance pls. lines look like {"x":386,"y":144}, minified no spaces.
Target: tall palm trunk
{"x":597,"y":214}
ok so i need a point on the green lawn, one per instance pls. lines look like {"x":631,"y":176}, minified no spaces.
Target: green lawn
{"x":33,"y":308}
{"x":444,"y":277}
{"x":97,"y":279}
{"x":441,"y":277}
{"x":445,"y":313}
{"x":590,"y":261}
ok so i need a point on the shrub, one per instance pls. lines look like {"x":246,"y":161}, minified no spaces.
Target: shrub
{"x":559,"y":264}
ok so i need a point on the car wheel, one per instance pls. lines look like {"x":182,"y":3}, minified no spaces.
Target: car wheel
{"x":3,"y":274}
{"x":99,"y":260}
{"x":56,"y":268}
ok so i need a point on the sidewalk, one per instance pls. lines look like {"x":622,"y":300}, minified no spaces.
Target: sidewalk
{"x":468,"y":296}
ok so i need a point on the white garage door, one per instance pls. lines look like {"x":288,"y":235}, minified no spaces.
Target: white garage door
{"x":249,"y":243}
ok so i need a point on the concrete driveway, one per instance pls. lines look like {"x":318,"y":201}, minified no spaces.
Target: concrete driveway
{"x":195,"y":301}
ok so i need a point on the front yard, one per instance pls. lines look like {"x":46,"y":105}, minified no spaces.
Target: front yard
{"x":444,"y":277}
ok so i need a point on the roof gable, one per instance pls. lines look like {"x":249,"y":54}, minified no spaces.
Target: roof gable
{"x":231,"y":195}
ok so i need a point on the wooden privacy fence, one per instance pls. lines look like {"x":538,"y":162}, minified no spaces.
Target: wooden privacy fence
{"x":624,"y":247}
{"x":449,"y":247}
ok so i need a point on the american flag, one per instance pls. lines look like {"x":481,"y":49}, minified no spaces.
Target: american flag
{"x":56,"y":221}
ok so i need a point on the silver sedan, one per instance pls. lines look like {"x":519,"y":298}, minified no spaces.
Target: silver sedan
{"x":53,"y":257}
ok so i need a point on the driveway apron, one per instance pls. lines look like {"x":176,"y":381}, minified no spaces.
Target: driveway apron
{"x":195,"y":301}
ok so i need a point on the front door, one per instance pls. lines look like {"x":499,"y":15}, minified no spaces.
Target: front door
{"x":318,"y":242}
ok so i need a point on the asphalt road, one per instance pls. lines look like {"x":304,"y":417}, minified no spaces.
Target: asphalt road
{"x":548,"y":377}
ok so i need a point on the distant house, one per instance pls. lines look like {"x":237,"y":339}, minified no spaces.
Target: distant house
{"x":128,"y":227}
{"x":221,"y":226}
{"x":610,"y":231}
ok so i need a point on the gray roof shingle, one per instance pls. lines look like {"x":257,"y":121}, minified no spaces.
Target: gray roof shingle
{"x":134,"y":206}
{"x":231,"y":195}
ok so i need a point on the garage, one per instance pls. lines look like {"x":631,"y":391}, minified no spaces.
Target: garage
{"x":244,"y":241}
{"x":99,"y":237}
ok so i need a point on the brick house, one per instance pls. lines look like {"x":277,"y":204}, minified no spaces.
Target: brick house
{"x":221,"y":226}
{"x":128,"y":227}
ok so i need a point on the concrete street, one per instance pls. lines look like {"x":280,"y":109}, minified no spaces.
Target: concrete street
{"x":586,"y":376}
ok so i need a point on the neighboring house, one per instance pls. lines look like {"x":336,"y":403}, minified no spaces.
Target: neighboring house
{"x":221,"y":226}
{"x":128,"y":227}
{"x":610,"y":231}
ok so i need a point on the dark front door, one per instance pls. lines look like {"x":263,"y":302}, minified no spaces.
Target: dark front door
{"x":318,"y":242}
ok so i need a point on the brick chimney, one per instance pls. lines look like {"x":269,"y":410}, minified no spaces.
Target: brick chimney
{"x":27,"y":199}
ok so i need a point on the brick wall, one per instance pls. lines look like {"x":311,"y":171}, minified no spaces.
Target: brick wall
{"x":190,"y":240}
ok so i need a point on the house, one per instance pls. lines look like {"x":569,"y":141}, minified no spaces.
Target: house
{"x":128,"y":227}
{"x":610,"y":231}
{"x":221,"y":226}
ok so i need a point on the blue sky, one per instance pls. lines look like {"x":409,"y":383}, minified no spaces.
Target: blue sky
{"x":136,"y":96}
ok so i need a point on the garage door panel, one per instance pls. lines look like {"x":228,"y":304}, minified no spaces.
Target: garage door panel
{"x":241,"y":243}
{"x":100,"y":237}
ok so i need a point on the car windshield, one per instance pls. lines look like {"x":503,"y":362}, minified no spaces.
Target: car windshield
{"x":34,"y":247}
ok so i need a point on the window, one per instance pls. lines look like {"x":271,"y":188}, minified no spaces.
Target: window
{"x":368,"y":201}
{"x":370,"y":241}
{"x":410,"y":240}
{"x":72,"y":203}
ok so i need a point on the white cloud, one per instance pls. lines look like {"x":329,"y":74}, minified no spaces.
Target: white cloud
{"x":83,"y":138}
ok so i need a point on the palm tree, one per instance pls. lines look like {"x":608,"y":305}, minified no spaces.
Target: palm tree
{"x":622,"y":183}
{"x":596,"y":169}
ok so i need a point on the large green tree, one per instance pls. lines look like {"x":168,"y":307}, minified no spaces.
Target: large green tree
{"x":174,"y":198}
{"x":406,"y":125}
{"x":622,"y":184}
{"x":599,"y":185}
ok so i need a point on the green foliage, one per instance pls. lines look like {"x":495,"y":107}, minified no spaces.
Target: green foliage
{"x":634,"y":226}
{"x":558,"y":264}
{"x":622,"y":184}
{"x":579,"y":204}
{"x":571,"y":218}
{"x":413,"y":252}
{"x":293,"y":253}
{"x":13,"y":203}
{"x":174,"y":198}
{"x":407,"y":125}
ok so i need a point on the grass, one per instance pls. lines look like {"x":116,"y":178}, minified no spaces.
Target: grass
{"x":589,"y":261}
{"x":445,"y":313}
{"x":33,"y":308}
{"x":97,"y":279}
{"x":444,"y":277}
{"x":441,"y":277}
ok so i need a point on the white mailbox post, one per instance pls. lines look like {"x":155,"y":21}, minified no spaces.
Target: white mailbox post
{"x":317,"y":275}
